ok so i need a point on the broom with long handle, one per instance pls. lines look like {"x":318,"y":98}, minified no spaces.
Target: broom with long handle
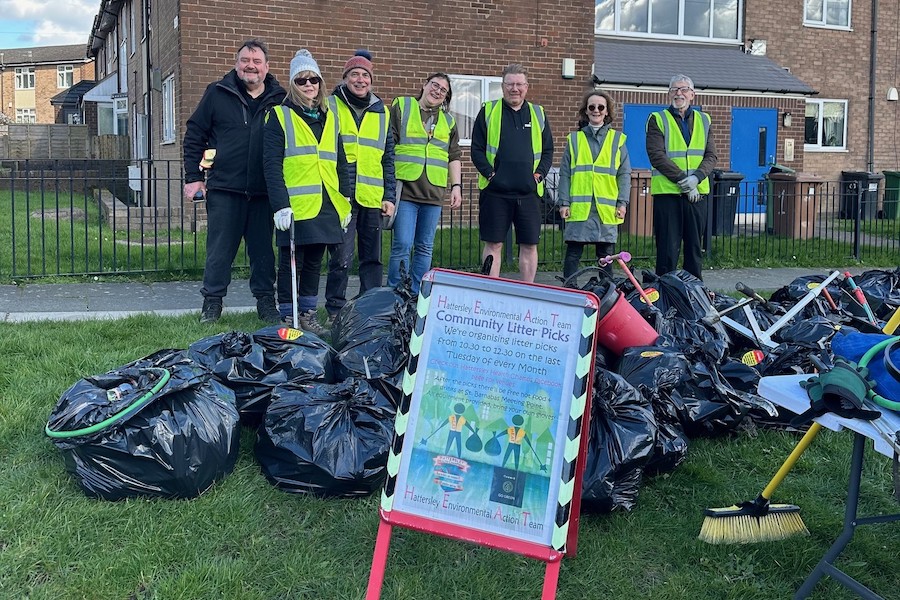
{"x":758,"y":520}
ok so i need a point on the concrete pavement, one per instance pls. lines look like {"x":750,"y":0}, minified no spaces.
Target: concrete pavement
{"x":35,"y":301}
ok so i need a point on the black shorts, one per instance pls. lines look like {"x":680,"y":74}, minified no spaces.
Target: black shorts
{"x":496,"y":214}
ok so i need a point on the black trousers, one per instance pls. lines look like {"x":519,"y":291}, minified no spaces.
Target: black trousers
{"x":574,"y":250}
{"x":309,"y":268}
{"x":231,"y":217}
{"x":677,"y":221}
{"x":364,"y":230}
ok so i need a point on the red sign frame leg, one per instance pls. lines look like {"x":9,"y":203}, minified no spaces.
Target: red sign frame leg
{"x":379,"y":560}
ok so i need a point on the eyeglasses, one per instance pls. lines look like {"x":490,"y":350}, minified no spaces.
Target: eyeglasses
{"x":304,"y":80}
{"x":597,"y":107}
{"x":438,"y":87}
{"x":681,"y":89}
{"x":511,"y":86}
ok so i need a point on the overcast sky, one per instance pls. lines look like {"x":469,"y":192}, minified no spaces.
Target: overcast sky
{"x":29,"y":23}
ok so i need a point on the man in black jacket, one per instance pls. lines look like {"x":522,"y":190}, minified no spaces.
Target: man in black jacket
{"x":229,"y":119}
{"x":512,"y":149}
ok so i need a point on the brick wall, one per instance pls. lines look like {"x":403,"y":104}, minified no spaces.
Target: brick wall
{"x":836,"y":64}
{"x":408,"y":40}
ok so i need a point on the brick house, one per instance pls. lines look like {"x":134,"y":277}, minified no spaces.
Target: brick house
{"x":31,"y":77}
{"x":754,"y":65}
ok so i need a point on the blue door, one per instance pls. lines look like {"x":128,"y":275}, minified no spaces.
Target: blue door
{"x":753,"y":132}
{"x":634,"y":126}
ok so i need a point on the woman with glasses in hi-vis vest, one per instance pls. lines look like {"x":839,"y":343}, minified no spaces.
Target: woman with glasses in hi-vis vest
{"x":594,"y":182}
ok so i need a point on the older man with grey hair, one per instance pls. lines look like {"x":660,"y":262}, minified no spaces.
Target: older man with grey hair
{"x":681,"y":151}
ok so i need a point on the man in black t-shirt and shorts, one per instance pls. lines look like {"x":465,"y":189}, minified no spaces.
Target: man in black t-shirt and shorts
{"x":512,"y":148}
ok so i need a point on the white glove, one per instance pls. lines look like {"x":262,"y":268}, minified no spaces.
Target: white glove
{"x":693,"y":195}
{"x":283,"y":219}
{"x":689,"y":183}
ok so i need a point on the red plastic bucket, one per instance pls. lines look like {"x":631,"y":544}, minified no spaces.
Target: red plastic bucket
{"x":623,"y":327}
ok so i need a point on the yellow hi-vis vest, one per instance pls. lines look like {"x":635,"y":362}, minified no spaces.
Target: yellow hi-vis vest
{"x":310,"y":166}
{"x":515,"y":435}
{"x":492,"y":112}
{"x":365,"y":147}
{"x":417,"y":151}
{"x":594,"y":180}
{"x":688,"y":158}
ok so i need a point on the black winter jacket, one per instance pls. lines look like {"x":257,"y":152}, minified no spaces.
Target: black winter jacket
{"x":222,"y":121}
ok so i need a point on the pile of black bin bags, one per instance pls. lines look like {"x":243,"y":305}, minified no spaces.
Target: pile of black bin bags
{"x":700,"y":379}
{"x":324,"y":412}
{"x":168,"y":425}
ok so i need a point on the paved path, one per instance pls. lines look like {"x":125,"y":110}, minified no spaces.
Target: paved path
{"x":112,"y":300}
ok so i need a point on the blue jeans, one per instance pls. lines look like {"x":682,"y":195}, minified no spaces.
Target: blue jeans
{"x":414,"y":229}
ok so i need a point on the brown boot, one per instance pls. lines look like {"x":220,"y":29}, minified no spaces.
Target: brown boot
{"x":309,"y":321}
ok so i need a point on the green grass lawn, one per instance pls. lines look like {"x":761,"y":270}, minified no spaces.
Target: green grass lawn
{"x":244,"y":539}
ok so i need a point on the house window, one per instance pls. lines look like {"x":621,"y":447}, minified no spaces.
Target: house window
{"x":708,"y":20}
{"x":131,"y":37}
{"x":25,"y":115}
{"x":826,"y":125}
{"x":120,"y":114}
{"x":140,"y":136}
{"x":168,"y":94}
{"x":24,"y":78}
{"x":469,"y":93}
{"x":65,"y":76}
{"x":827,"y":13}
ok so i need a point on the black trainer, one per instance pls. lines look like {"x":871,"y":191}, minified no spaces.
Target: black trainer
{"x":211,"y":311}
{"x":266,"y":311}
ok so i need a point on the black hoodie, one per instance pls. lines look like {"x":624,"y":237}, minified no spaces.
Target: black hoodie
{"x":223,"y":121}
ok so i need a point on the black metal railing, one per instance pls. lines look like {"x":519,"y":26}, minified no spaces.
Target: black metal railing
{"x":80,"y":217}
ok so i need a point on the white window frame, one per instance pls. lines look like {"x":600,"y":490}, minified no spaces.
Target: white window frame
{"x":25,"y":78}
{"x":617,"y":31}
{"x":484,"y":93}
{"x":131,"y":37}
{"x":823,"y":22}
{"x":168,"y":98}
{"x":139,"y":140}
{"x":120,"y":107}
{"x":819,"y":147}
{"x":26,"y":115}
{"x":65,"y":76}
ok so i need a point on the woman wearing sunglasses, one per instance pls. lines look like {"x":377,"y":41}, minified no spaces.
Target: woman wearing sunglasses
{"x":307,"y":179}
{"x":594,"y":181}
{"x":426,"y":160}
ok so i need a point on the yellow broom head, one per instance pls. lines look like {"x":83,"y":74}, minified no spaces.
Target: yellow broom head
{"x":751,"y":522}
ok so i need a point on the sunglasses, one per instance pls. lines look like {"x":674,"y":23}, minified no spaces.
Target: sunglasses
{"x":303,"y":80}
{"x":597,"y":107}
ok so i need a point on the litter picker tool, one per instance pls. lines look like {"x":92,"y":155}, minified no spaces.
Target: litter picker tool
{"x":860,"y":297}
{"x":764,"y":337}
{"x":622,"y":258}
{"x":293,"y":280}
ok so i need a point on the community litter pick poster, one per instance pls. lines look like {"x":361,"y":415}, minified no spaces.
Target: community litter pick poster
{"x":490,"y":405}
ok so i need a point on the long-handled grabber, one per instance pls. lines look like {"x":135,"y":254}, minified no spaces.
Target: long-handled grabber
{"x":622,"y":258}
{"x":293,"y":280}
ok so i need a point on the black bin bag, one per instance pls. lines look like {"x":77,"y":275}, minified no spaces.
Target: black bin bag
{"x":253,"y":364}
{"x":621,"y":442}
{"x":328,"y":440}
{"x":371,"y":334}
{"x":160,"y":426}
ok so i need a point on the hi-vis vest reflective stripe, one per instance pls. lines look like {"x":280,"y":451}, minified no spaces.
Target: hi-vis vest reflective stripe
{"x":416,"y":151}
{"x":365,"y":147}
{"x":594,"y":180}
{"x":492,"y":113}
{"x":310,"y":167}
{"x":688,"y":158}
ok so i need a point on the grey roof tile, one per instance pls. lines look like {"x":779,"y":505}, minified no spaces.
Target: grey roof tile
{"x":44,"y":54}
{"x":650,"y":63}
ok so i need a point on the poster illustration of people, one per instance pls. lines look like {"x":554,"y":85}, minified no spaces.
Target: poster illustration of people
{"x":489,"y":411}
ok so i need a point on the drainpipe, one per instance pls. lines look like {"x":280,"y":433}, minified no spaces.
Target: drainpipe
{"x":870,"y":151}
